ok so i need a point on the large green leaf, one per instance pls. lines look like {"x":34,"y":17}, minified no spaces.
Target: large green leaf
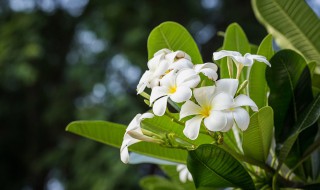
{"x":213,"y":167}
{"x":235,"y":40}
{"x":290,"y":93}
{"x":258,"y":86}
{"x":308,"y":118}
{"x":175,"y":37}
{"x":290,"y":89}
{"x":257,"y":138}
{"x":293,"y":24}
{"x":112,"y":134}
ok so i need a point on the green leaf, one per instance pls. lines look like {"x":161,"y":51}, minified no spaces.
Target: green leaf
{"x":171,"y":125}
{"x":290,"y":89}
{"x":213,"y":167}
{"x":175,"y":37}
{"x":235,"y":39}
{"x":292,"y":23}
{"x":309,"y":117}
{"x":158,"y":183}
{"x":257,"y":138}
{"x":290,"y":93}
{"x":258,"y":87}
{"x":112,"y":134}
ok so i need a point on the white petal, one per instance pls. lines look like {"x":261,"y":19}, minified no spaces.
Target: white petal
{"x":230,"y":121}
{"x":158,"y":92}
{"x":243,"y":100}
{"x":216,"y":121}
{"x":222,"y":101}
{"x":160,"y":106}
{"x":199,"y":67}
{"x":140,"y":136}
{"x":260,"y":58}
{"x":153,"y":83}
{"x":187,"y":77}
{"x":183,"y":175}
{"x":153,"y":63}
{"x":204,"y":95}
{"x":161,"y":69}
{"x":192,"y":127}
{"x":171,"y":57}
{"x":124,"y":153}
{"x":246,"y":60}
{"x":208,"y":69}
{"x":146,"y":77}
{"x":241,"y":118}
{"x":224,"y":53}
{"x":189,"y":108}
{"x":169,"y":79}
{"x":135,"y":123}
{"x":162,"y":52}
{"x":229,"y":86}
{"x":146,"y":115}
{"x":182,"y":94}
{"x":181,"y":64}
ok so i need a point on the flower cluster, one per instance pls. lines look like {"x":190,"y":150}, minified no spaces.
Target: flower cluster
{"x":173,"y":78}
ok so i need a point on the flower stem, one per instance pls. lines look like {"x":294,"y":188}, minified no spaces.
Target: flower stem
{"x":239,"y":69}
{"x":230,"y":67}
{"x":145,"y":95}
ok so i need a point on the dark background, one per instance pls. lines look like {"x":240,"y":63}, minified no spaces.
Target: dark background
{"x":66,"y":60}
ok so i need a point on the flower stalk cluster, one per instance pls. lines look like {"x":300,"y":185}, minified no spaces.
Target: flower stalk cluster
{"x":173,"y":78}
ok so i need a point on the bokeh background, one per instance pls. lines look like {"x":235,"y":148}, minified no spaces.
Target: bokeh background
{"x":66,"y":60}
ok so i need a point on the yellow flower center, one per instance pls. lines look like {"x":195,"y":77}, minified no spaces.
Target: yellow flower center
{"x":205,"y":111}
{"x":172,"y":89}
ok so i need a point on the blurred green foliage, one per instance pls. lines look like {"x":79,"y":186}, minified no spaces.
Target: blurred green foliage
{"x":72,"y":60}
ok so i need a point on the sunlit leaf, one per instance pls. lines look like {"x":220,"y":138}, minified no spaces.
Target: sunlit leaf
{"x":175,"y":37}
{"x":112,"y":134}
{"x":292,"y":23}
{"x":257,"y":138}
{"x":213,"y":167}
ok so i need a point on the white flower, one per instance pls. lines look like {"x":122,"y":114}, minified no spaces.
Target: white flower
{"x":208,"y":69}
{"x":175,"y":86}
{"x":163,"y":61}
{"x":179,"y":60}
{"x":236,"y":115}
{"x":210,"y":109}
{"x":184,"y":173}
{"x":158,"y":65}
{"x":134,"y":135}
{"x":217,"y":108}
{"x":246,"y":60}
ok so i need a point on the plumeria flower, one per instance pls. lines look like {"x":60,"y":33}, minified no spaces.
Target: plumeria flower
{"x":158,"y":65}
{"x":246,"y":60}
{"x":217,"y":108}
{"x":176,"y":86}
{"x":179,"y":60}
{"x":184,"y":174}
{"x":236,"y":115}
{"x":134,"y":135}
{"x":209,"y":109}
{"x":208,"y":69}
{"x":240,"y":61}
